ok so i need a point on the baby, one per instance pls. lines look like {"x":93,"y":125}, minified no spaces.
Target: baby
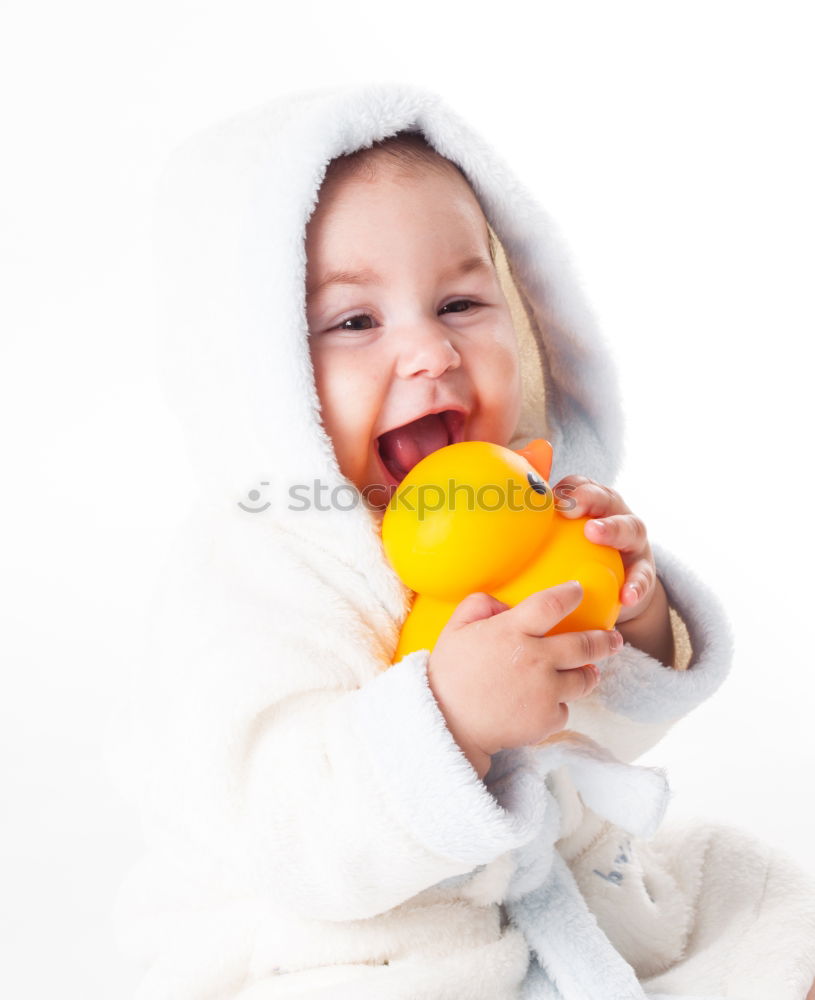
{"x":352,"y":279}
{"x":408,"y":323}
{"x":413,"y":346}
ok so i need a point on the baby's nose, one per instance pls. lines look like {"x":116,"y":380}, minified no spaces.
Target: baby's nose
{"x":427,"y":350}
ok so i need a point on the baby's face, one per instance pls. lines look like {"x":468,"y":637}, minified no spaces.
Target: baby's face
{"x":400,"y":329}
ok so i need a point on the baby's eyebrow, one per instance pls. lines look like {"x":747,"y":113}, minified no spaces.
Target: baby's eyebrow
{"x":367,"y":276}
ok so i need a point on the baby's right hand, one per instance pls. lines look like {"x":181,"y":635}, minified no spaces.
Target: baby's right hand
{"x":501,"y":682}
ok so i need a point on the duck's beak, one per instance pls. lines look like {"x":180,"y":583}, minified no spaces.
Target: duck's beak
{"x":539,"y":455}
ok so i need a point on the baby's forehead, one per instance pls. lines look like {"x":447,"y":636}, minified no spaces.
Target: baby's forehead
{"x":389,"y":178}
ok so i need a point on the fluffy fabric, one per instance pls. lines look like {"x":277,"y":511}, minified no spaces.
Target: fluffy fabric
{"x":311,"y":828}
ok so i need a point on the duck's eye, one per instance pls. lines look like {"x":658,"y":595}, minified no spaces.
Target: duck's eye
{"x":537,"y":484}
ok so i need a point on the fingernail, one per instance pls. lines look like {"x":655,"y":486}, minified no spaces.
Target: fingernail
{"x":616,"y":639}
{"x":575,"y":585}
{"x":599,"y":525}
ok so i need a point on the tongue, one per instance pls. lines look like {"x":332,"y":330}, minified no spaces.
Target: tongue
{"x":403,"y":447}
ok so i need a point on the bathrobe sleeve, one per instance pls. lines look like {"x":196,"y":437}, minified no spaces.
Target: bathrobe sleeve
{"x":263,"y":735}
{"x":639,"y":698}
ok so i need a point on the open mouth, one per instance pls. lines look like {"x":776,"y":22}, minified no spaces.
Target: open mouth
{"x":403,"y":447}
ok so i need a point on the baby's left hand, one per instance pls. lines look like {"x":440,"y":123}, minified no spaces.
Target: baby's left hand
{"x":623,"y":531}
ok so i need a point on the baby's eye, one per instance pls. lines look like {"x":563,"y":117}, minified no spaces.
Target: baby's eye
{"x":466,"y":303}
{"x":354,"y":319}
{"x":458,"y":302}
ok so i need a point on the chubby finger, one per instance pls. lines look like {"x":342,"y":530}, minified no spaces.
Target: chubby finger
{"x":640,"y":577}
{"x":537,"y":614}
{"x":569,"y":650}
{"x":477,"y":606}
{"x":578,"y":496}
{"x":625,"y":532}
{"x":577,"y":682}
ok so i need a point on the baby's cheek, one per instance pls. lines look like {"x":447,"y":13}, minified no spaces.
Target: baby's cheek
{"x":347,"y":409}
{"x":504,"y":386}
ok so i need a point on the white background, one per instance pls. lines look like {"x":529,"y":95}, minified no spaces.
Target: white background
{"x":672,"y":145}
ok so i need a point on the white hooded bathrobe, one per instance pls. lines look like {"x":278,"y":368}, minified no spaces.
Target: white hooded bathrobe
{"x":311,"y":828}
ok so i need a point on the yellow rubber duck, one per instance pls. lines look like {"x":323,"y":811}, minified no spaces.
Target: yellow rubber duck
{"x":476,"y":516}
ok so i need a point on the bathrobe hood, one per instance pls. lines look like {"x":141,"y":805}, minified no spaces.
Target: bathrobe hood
{"x":231,"y":211}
